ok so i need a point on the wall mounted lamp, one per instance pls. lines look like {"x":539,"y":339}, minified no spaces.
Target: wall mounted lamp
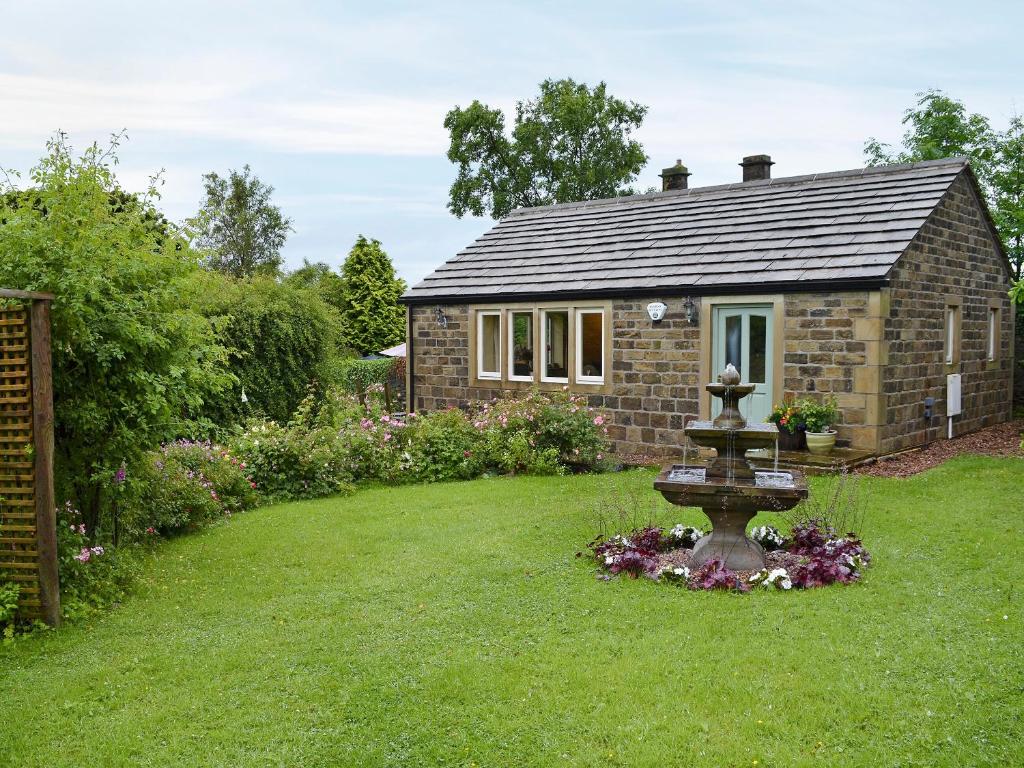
{"x":690,"y":308}
{"x":439,"y":316}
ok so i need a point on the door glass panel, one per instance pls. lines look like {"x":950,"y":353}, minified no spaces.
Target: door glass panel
{"x":556,"y":342}
{"x":733,"y":339}
{"x":757,"y":348}
{"x":591,"y":345}
{"x":522,"y":344}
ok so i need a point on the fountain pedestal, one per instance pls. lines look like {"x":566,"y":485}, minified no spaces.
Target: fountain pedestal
{"x":728,"y":488}
{"x":730,"y":506}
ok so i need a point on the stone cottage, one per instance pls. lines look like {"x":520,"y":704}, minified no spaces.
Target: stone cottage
{"x":872,"y":285}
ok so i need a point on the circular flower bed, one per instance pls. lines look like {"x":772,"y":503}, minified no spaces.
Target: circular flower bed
{"x":812,"y":556}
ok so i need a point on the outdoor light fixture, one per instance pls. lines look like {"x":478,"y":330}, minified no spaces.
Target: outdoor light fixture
{"x":690,"y":308}
{"x":656,"y":310}
{"x":441,"y":319}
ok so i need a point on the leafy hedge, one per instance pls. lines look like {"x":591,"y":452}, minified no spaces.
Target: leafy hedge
{"x":281,"y":339}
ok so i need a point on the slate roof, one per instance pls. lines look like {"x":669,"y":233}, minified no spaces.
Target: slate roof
{"x":797,"y":232}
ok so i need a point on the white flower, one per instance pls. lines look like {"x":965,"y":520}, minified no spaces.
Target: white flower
{"x":608,"y":559}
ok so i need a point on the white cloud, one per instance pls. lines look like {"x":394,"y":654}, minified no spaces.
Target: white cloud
{"x":338,"y":123}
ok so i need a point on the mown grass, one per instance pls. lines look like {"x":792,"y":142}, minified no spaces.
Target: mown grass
{"x":452,"y":625}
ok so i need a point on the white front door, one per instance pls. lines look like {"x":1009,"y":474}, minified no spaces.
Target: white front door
{"x":742,"y":335}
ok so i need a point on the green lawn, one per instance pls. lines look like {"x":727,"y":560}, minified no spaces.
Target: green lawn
{"x":452,"y":625}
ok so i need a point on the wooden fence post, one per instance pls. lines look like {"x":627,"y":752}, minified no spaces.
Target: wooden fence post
{"x":42,"y":432}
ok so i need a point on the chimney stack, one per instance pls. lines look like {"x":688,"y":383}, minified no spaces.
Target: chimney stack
{"x":757,"y":167}
{"x":674,"y":177}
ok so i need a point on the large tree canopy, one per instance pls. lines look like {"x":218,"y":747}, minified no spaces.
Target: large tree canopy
{"x":570,"y":143}
{"x":132,"y":360}
{"x":940,"y":126}
{"x":241,"y":231}
{"x":372,"y":318}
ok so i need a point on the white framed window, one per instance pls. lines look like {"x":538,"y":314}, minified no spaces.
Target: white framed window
{"x":590,"y":346}
{"x":521,"y":345}
{"x":951,"y":340}
{"x":993,"y":333}
{"x":555,"y":360}
{"x":488,"y":345}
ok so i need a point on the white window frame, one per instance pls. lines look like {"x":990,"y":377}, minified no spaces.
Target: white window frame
{"x":951,"y":311}
{"x":993,"y":333}
{"x":580,"y":378}
{"x":510,"y":357}
{"x":480,"y":372}
{"x":544,"y":344}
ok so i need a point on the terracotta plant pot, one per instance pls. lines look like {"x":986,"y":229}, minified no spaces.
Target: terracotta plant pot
{"x":821,"y":443}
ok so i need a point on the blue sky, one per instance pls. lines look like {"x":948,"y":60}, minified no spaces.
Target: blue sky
{"x":340,"y":105}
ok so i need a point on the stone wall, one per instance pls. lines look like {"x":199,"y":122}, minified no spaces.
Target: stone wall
{"x":655,"y":377}
{"x":953,"y":257}
{"x":880,"y":353}
{"x":832,"y":348}
{"x":657,"y":381}
{"x":1018,"y":365}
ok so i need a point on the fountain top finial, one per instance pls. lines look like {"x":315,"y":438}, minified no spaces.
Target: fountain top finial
{"x":730,"y":376}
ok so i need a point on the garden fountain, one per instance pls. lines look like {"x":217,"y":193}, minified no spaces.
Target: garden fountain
{"x":729,"y":489}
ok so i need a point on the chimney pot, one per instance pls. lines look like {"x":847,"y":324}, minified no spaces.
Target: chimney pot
{"x":757,"y":167}
{"x":674,"y":177}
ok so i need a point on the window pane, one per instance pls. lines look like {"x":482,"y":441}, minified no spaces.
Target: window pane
{"x":522,"y":344}
{"x":758,"y":342}
{"x":993,"y":333}
{"x":591,"y":344}
{"x":490,"y":341}
{"x":950,"y":332}
{"x":556,"y":341}
{"x":733,"y":339}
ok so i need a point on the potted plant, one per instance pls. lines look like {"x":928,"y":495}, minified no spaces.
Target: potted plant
{"x":819,"y":416}
{"x":789,"y":419}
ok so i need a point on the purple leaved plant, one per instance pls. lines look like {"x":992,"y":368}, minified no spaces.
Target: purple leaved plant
{"x":714,"y":575}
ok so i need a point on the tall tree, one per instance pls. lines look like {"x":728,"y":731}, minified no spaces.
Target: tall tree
{"x":239,"y":228}
{"x":132,"y":358}
{"x":940,"y":126}
{"x":1007,"y":182}
{"x":569,"y":143}
{"x":319,"y":277}
{"x":372,"y":318}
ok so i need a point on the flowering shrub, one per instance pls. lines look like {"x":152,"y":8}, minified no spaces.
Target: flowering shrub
{"x":777,"y":578}
{"x":442,"y":446}
{"x":179,"y":487}
{"x":541,"y":433}
{"x":297,"y":461}
{"x":685,"y":535}
{"x":634,"y":555}
{"x":714,"y":575}
{"x":92,"y":576}
{"x":768,"y":537}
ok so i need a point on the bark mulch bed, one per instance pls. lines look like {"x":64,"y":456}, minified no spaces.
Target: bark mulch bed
{"x":1000,"y":440}
{"x":775,"y":559}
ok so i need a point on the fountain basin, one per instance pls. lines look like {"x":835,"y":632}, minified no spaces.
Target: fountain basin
{"x":731,"y":505}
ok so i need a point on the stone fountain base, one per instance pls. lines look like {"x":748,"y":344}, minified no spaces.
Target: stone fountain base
{"x":730,"y":506}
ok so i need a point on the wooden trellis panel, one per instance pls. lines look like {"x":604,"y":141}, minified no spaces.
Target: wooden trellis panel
{"x":27,"y":515}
